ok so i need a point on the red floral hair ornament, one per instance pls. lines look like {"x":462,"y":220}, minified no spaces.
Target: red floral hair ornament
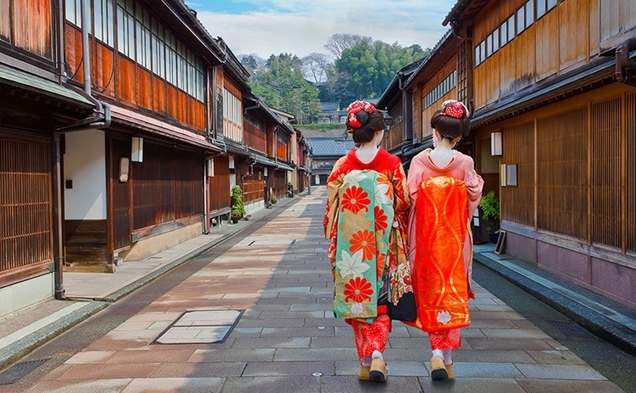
{"x":359,"y":113}
{"x":454,"y":109}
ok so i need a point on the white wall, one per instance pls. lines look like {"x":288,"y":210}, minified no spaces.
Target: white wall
{"x":85,"y":166}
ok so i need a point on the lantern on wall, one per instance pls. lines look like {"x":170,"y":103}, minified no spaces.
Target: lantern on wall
{"x":496,"y":144}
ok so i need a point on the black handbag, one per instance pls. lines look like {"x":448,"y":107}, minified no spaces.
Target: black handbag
{"x":404,"y":310}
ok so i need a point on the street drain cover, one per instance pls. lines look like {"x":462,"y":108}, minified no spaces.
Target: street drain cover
{"x":19,"y":370}
{"x":201,"y":327}
{"x":571,"y":329}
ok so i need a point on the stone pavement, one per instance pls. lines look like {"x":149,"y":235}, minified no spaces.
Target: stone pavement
{"x":258,"y":318}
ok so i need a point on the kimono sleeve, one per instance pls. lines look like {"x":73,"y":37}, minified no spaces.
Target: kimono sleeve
{"x":333,"y":186}
{"x":474,"y":185}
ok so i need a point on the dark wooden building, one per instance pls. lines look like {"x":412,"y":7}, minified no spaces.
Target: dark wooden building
{"x":123,"y":127}
{"x":552,"y":84}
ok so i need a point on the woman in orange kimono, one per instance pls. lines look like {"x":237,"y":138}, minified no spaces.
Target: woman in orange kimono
{"x":445,"y":191}
{"x":365,"y":221}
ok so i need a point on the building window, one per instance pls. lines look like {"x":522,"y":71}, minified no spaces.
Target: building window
{"x":232,"y":109}
{"x":74,"y":12}
{"x":440,"y":90}
{"x":126,"y":28}
{"x":525,"y":16}
{"x":104,"y":22}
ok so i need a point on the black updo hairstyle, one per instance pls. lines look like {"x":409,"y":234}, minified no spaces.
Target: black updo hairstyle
{"x":452,"y":120}
{"x":364,"y":123}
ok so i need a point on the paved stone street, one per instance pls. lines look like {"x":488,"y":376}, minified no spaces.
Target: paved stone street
{"x":257,"y":318}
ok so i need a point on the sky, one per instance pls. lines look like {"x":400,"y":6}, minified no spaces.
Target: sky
{"x":301,"y":27}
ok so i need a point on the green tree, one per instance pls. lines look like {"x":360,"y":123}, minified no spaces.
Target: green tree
{"x":281,"y":84}
{"x":369,"y":66}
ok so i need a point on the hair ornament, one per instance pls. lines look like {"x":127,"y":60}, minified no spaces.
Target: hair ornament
{"x":454,"y":109}
{"x":359,"y":113}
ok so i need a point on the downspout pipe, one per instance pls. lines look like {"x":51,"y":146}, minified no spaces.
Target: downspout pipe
{"x":101,"y":119}
{"x":626,"y":67}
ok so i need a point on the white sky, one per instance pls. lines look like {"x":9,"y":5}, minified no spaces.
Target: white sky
{"x":301,"y":27}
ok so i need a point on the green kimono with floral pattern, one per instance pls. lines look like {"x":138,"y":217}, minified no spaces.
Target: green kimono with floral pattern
{"x":365,"y":220}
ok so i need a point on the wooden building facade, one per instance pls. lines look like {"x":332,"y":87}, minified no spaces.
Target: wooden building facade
{"x":123,"y":127}
{"x":552,"y":85}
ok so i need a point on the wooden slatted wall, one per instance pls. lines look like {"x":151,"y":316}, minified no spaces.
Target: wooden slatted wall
{"x":157,"y":196}
{"x":25,"y":203}
{"x":631,"y":172}
{"x":562,"y":173}
{"x":519,"y":149}
{"x":253,"y":187}
{"x":120,"y":195}
{"x":605,"y":177}
{"x":189,"y":184}
{"x":219,"y":185}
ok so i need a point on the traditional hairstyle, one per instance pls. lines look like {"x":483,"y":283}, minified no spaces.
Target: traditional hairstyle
{"x":452,"y":120}
{"x":363,"y":120}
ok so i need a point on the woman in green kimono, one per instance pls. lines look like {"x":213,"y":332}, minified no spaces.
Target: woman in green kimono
{"x":365,"y":221}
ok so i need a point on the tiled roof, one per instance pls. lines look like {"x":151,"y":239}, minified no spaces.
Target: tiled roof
{"x":329,"y":147}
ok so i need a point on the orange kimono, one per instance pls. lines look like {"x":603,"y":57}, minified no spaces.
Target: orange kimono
{"x":440,"y":255}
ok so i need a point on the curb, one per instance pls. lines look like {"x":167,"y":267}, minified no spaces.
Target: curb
{"x":19,"y":348}
{"x":573,"y":302}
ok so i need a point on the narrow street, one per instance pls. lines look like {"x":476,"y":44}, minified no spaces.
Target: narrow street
{"x":254,"y":315}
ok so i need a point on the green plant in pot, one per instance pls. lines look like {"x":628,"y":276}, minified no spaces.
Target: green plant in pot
{"x":489,"y":205}
{"x":236,"y":204}
{"x":290,"y":189}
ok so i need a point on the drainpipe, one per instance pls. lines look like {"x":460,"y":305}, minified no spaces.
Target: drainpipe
{"x":625,"y":66}
{"x":101,"y":119}
{"x":58,"y":241}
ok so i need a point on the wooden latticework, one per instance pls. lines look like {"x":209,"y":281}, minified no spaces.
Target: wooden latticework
{"x":630,"y":177}
{"x":562,"y":173}
{"x":519,"y":149}
{"x":605,"y":177}
{"x":219,"y":185}
{"x":253,"y":186}
{"x":25,"y":203}
{"x":166,"y":186}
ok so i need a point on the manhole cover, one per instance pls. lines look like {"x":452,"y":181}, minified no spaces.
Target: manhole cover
{"x":201,"y":327}
{"x":19,"y":370}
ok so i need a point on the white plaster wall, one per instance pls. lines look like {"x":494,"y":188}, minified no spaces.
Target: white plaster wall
{"x":85,"y":165}
{"x":26,"y":293}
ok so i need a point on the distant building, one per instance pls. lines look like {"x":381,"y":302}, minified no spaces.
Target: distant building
{"x":325,"y":153}
{"x":330,"y":113}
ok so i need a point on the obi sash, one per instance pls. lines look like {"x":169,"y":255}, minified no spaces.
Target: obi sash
{"x":440,"y":279}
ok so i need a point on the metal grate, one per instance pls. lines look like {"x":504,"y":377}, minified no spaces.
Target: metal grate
{"x":201,"y":327}
{"x":571,"y":329}
{"x":19,"y":370}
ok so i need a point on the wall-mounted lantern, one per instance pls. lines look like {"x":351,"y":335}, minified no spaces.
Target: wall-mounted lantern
{"x":496,"y":144}
{"x":137,"y":149}
{"x":388,"y":120}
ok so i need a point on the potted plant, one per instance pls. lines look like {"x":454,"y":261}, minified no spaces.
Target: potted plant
{"x":290,"y":189}
{"x":489,"y":205}
{"x":237,"y":208}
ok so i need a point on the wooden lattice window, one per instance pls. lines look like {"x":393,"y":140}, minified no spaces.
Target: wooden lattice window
{"x":25,"y":203}
{"x":631,"y":172}
{"x":606,"y":172}
{"x":519,"y":200}
{"x":562,"y":174}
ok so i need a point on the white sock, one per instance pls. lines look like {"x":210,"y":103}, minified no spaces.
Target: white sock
{"x":366,"y":361}
{"x":376,"y":355}
{"x":447,"y":356}
{"x":439,"y":353}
